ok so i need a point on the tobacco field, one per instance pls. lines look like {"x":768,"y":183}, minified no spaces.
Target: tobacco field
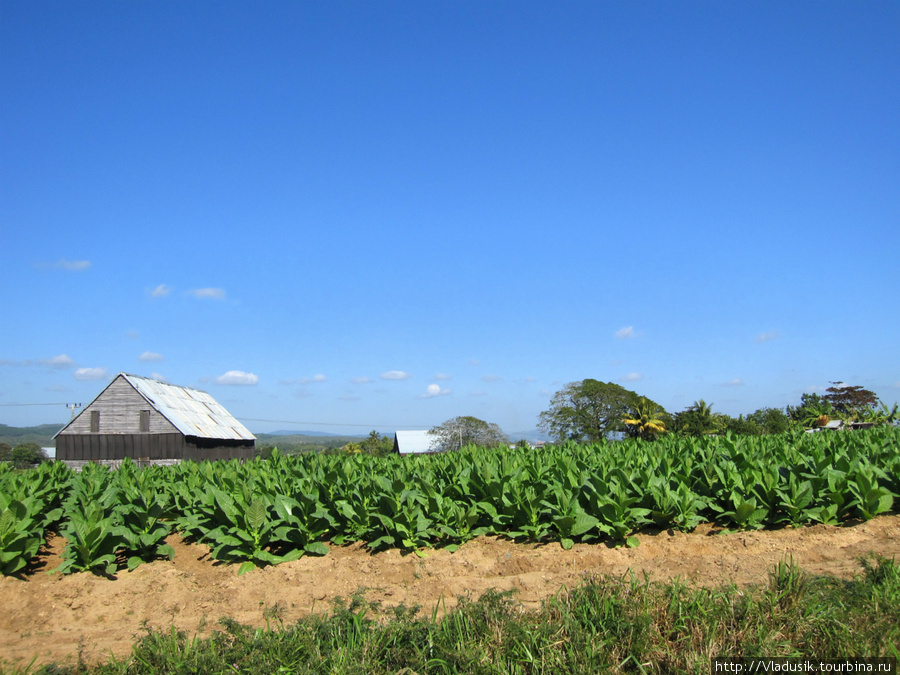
{"x":264,"y":512}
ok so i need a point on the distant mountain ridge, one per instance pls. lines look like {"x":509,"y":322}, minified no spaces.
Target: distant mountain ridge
{"x":41,"y":434}
{"x":291,"y":432}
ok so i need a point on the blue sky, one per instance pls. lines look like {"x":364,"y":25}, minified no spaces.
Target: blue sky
{"x":354,"y":215}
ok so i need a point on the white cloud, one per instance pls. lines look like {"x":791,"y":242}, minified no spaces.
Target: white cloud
{"x":435,"y":390}
{"x":768,"y":337}
{"x":237,"y":377}
{"x":395,"y":375}
{"x":61,"y":361}
{"x":159,"y":378}
{"x":442,"y":377}
{"x":361,"y":380}
{"x":160,"y":291}
{"x":735,"y":382}
{"x":633,"y":377}
{"x":474,"y":362}
{"x":318,"y":378}
{"x":151,"y":356}
{"x":67,"y":265}
{"x":491,"y":378}
{"x":625,"y":333}
{"x":91,"y":374}
{"x":207,"y":293}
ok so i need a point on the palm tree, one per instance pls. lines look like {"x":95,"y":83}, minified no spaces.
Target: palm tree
{"x":645,"y":419}
{"x":816,"y":414}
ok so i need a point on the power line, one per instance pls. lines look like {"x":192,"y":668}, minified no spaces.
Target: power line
{"x":10,"y":405}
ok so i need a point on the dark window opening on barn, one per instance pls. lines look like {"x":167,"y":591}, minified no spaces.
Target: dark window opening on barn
{"x":208,"y":443}
{"x":145,"y":420}
{"x":95,"y":421}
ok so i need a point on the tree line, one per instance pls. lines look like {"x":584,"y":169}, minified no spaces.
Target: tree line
{"x":592,"y":411}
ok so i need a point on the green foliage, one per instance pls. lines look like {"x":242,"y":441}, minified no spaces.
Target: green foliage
{"x":264,"y":512}
{"x":27,"y":454}
{"x":700,"y":420}
{"x":587,"y":411}
{"x":644,"y":419}
{"x":459,"y":432}
{"x":849,"y":401}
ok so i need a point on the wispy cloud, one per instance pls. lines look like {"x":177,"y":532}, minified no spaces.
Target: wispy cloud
{"x":395,"y":375}
{"x":768,"y":337}
{"x":435,"y":390}
{"x":442,"y":377}
{"x":735,"y":382}
{"x":315,"y":379}
{"x":633,"y":377}
{"x":361,"y":380}
{"x":150,"y":357}
{"x":88,"y":374}
{"x":58,"y":362}
{"x":207,"y":293}
{"x":474,"y":362}
{"x":491,"y":378}
{"x":159,"y":378}
{"x":625,"y":333}
{"x":66,"y":265}
{"x":237,"y":377}
{"x":161,"y":291}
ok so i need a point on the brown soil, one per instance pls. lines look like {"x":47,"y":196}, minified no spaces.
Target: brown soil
{"x":51,"y":618}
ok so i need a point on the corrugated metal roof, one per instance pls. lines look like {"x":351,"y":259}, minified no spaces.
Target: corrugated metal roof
{"x":191,"y":411}
{"x":414,"y":442}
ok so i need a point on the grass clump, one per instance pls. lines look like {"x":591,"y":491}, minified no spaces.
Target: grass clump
{"x":609,"y":624}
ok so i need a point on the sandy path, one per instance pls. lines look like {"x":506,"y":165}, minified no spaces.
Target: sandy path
{"x":51,"y":617}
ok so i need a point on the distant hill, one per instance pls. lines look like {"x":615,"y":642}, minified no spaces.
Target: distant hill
{"x":297,"y":441}
{"x":291,"y":432}
{"x":41,"y":434}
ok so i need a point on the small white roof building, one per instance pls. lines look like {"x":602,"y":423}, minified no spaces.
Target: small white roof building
{"x":414,"y":442}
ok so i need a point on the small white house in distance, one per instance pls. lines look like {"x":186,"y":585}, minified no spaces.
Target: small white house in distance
{"x":413,"y":442}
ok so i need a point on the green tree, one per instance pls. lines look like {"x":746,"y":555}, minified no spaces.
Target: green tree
{"x":700,"y":420}
{"x":376,"y":444}
{"x":462,"y":431}
{"x":5,"y":450}
{"x":771,"y":420}
{"x":24,"y":455}
{"x":645,"y":419}
{"x":743,"y":426}
{"x":811,"y":411}
{"x":587,"y":411}
{"x":850,"y":402}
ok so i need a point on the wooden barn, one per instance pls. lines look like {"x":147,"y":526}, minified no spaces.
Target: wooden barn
{"x":152,"y":421}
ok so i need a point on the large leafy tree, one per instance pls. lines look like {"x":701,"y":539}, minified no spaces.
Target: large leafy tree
{"x":850,"y":401}
{"x":587,"y":411}
{"x":465,"y":430}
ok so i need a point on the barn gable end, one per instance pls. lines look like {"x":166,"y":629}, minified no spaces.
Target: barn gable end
{"x":144,"y":419}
